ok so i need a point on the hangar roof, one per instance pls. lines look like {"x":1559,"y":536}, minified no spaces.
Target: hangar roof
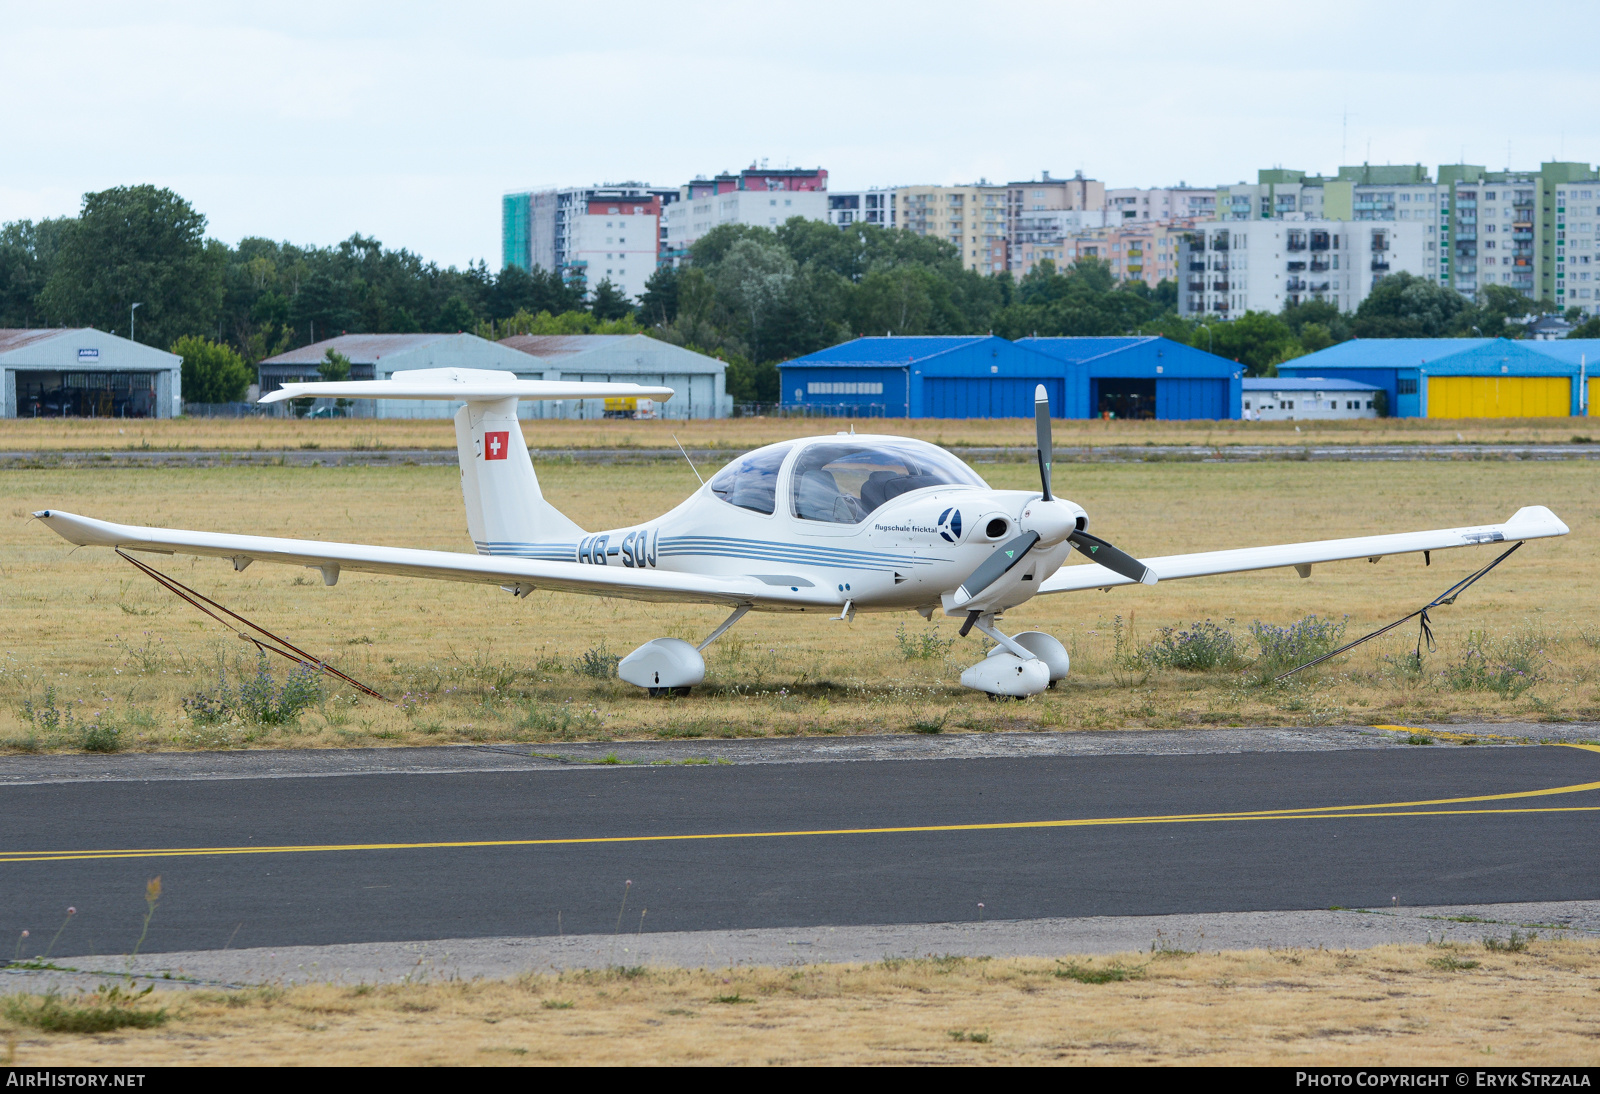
{"x":1573,"y":351}
{"x":363,"y":349}
{"x":1438,"y":356}
{"x":17,"y":337}
{"x":894,"y":350}
{"x":1304,"y":383}
{"x":562,"y":345}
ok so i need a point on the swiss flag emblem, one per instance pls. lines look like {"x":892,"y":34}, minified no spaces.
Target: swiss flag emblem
{"x":495,"y":445}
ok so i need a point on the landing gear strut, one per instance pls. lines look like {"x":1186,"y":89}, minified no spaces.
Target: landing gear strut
{"x":670,"y":666}
{"x":1019,"y":665}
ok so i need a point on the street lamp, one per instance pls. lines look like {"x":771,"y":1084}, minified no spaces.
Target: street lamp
{"x":131,"y":309}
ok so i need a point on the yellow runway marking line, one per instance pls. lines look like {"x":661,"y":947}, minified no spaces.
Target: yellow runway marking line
{"x":1450,"y":735}
{"x":1332,"y":812}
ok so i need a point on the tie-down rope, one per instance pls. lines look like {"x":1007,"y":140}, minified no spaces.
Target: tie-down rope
{"x":274,"y":644}
{"x":1425,"y":634}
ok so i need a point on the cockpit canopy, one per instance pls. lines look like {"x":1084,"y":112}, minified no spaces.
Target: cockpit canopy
{"x":840,"y":482}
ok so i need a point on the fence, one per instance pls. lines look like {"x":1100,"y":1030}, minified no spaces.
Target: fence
{"x":819,"y":410}
{"x":296,"y":408}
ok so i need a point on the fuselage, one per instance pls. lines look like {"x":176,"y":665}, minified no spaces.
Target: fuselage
{"x":879,"y":523}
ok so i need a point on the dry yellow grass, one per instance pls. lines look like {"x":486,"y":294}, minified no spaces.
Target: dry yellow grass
{"x":469,"y":663}
{"x":1394,"y":1005}
{"x":743,"y":433}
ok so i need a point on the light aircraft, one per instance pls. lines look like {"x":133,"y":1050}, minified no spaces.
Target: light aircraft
{"x":834,"y":525}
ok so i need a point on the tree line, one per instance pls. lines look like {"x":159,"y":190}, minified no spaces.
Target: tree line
{"x":752,"y":296}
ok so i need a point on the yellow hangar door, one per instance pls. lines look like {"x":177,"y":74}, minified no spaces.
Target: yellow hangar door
{"x":1499,"y":396}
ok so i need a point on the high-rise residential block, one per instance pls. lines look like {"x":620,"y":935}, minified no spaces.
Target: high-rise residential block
{"x":847,"y":207}
{"x":1025,"y":201}
{"x":1507,"y":228}
{"x":1233,"y":267}
{"x":973,"y":218}
{"x":1126,"y":206}
{"x":757,"y":196}
{"x":587,"y":233}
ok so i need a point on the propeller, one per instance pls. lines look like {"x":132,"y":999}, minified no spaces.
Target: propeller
{"x":1055,"y":518}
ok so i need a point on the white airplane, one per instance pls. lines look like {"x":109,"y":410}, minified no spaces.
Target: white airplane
{"x":835,"y":525}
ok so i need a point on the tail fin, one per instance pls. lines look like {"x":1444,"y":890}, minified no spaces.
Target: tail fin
{"x":506,"y":511}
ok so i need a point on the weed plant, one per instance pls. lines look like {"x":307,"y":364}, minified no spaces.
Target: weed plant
{"x":1204,"y":647}
{"x":109,"y":1008}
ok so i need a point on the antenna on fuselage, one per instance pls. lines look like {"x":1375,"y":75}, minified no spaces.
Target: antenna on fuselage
{"x":686,"y":458}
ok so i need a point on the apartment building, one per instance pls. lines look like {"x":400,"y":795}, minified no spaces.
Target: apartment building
{"x":757,"y":195}
{"x":973,"y":218}
{"x":587,"y":233}
{"x":847,"y":207}
{"x":1128,"y":205}
{"x":1025,"y":200}
{"x":1576,"y":260}
{"x":1508,"y":228}
{"x":1233,"y":267}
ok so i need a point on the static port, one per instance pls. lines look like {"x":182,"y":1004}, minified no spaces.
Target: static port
{"x":995,"y":528}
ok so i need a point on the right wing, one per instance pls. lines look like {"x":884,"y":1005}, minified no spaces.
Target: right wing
{"x":519,"y":574}
{"x":1530,"y":522}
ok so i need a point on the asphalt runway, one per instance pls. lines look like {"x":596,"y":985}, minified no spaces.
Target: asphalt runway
{"x":284,"y":861}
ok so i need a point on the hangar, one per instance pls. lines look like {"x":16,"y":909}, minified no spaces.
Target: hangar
{"x":1456,"y":377}
{"x":86,"y":373}
{"x":1143,"y":377}
{"x":945,"y":376}
{"x":378,"y":356}
{"x":984,"y":376}
{"x":698,"y":381}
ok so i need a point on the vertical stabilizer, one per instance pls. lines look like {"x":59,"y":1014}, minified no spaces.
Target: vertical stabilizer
{"x":506,"y":510}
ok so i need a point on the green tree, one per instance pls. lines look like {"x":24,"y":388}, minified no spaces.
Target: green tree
{"x":659,"y":304}
{"x":212,"y":372}
{"x":608,"y":301}
{"x":1257,"y":340}
{"x":333,"y":367}
{"x":1403,"y":305}
{"x":27,"y":257}
{"x":137,"y":244}
{"x":456,"y":315}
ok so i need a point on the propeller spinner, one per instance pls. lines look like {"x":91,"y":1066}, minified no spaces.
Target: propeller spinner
{"x":1049,"y":522}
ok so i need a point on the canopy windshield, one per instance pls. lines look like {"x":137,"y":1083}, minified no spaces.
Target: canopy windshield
{"x":843,"y":483}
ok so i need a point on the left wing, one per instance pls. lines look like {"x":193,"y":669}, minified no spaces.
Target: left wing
{"x":1530,"y":522}
{"x":522,"y":575}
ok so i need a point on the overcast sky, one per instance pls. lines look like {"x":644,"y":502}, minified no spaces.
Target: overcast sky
{"x":312,"y":121}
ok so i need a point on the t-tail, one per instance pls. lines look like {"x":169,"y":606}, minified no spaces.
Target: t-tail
{"x":507,"y":513}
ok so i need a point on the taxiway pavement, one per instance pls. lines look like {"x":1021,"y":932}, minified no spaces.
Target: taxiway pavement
{"x":260,"y":850}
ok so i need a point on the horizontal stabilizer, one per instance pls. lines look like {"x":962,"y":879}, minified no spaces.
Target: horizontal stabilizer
{"x":464,"y":385}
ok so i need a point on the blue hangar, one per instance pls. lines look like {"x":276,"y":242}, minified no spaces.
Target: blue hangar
{"x":1462,"y":377}
{"x":982,"y":376}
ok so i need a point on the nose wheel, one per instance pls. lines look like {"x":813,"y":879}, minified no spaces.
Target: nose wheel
{"x":1018,"y":666}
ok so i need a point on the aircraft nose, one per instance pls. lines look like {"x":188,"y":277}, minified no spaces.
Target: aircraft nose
{"x":1054,"y":520}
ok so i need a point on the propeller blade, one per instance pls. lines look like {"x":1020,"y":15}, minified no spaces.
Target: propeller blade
{"x":1041,"y":417}
{"x":1118,"y":562}
{"x":995,"y":567}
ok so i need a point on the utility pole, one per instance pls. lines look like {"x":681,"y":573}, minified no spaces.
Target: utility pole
{"x":131,"y":308}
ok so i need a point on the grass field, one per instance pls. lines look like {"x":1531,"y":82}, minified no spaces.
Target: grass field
{"x":95,"y":656}
{"x":743,"y":433}
{"x":1454,"y":1005}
